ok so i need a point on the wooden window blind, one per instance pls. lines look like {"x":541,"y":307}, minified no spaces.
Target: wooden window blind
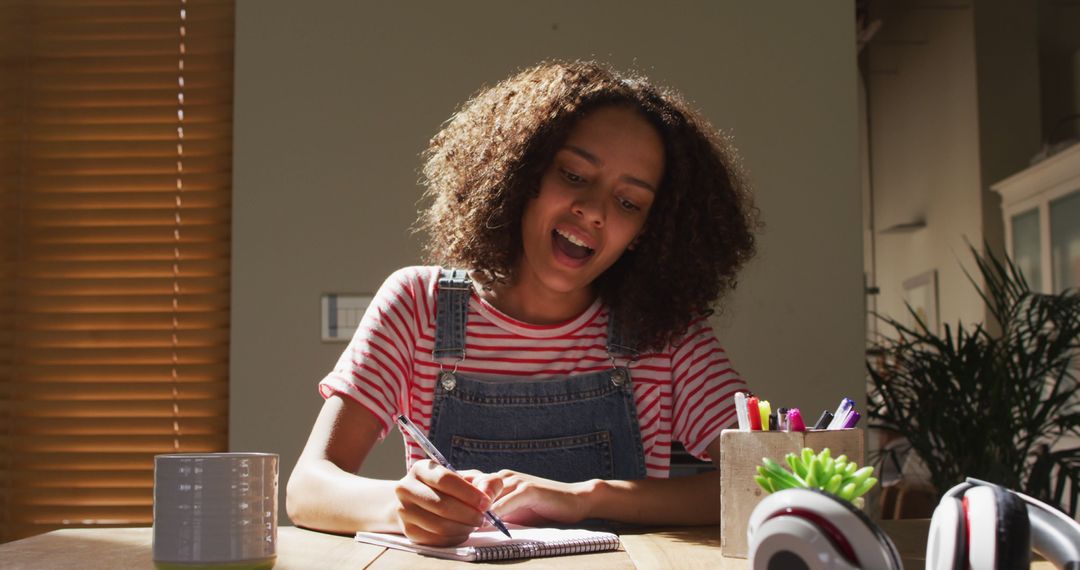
{"x":115,"y":188}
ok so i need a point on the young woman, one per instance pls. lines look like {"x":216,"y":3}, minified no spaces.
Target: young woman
{"x":594,"y":220}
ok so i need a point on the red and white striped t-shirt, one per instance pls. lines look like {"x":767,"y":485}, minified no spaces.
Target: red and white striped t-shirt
{"x":683,"y":393}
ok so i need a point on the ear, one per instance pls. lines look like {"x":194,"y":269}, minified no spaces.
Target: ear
{"x":634,"y":242}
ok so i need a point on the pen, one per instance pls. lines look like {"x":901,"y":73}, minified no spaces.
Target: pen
{"x":418,"y":436}
{"x":841,"y":413}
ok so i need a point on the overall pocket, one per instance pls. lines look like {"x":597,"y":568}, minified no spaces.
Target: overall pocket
{"x":568,"y":459}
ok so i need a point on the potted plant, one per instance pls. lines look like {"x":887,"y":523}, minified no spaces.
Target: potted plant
{"x":997,"y":403}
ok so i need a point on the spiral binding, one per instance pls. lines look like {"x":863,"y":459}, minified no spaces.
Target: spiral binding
{"x":536,"y":549}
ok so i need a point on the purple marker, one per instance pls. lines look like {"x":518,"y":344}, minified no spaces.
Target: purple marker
{"x":852,"y":419}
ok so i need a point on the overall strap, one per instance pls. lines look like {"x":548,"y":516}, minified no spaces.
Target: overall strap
{"x":620,"y":344}
{"x":451,"y":313}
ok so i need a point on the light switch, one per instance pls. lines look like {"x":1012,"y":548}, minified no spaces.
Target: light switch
{"x":341,"y":314}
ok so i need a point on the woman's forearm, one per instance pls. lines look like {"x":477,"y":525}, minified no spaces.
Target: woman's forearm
{"x":323,"y":497}
{"x":683,"y":500}
{"x":323,"y":492}
{"x":693,"y":500}
{"x":689,"y":500}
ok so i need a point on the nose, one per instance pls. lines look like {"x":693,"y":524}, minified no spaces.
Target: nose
{"x":589,"y":207}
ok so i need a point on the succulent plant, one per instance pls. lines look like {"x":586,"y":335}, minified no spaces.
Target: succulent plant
{"x":811,"y":470}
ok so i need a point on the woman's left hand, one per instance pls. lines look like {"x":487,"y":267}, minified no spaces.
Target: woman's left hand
{"x":530,"y":500}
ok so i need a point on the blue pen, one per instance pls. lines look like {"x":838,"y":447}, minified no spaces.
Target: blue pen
{"x":841,"y":413}
{"x":418,"y":436}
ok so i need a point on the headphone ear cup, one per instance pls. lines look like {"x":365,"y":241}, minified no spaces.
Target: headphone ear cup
{"x":999,"y":530}
{"x":947,"y":545}
{"x":793,"y":542}
{"x":818,"y":528}
{"x":1014,"y":530}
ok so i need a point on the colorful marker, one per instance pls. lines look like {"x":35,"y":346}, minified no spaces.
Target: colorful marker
{"x":823,"y":421}
{"x":765,"y":411}
{"x":740,"y":411}
{"x":795,"y":421}
{"x":781,"y":419}
{"x":754,"y":412}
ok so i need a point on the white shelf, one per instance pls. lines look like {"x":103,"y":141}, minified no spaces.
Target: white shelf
{"x":1034,"y":189}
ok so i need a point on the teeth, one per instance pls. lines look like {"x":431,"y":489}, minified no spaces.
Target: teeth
{"x":572,"y":239}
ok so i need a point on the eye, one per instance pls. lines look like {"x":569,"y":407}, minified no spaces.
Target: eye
{"x":627,"y":205}
{"x":572,"y":177}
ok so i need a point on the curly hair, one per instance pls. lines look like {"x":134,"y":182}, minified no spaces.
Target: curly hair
{"x":481,"y":169}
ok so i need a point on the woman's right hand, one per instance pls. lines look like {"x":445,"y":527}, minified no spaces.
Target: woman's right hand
{"x":441,"y":508}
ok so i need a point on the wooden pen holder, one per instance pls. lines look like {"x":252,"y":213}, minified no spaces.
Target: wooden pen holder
{"x":740,"y":454}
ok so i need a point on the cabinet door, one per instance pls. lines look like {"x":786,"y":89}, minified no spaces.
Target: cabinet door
{"x":1065,"y":241}
{"x":1027,"y":254}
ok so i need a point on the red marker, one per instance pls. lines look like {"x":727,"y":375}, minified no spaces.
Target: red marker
{"x":795,"y":422}
{"x":754,"y":412}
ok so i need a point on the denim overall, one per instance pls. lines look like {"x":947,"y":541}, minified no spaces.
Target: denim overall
{"x":565,"y":428}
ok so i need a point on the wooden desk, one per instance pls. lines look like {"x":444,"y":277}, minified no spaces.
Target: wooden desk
{"x":689,"y":547}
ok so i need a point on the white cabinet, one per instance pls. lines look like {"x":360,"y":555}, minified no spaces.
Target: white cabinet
{"x":1041,"y":205}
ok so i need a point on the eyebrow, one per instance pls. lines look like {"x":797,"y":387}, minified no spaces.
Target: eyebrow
{"x":595,"y":160}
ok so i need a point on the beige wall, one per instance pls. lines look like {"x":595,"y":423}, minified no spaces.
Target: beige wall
{"x":334,"y":101}
{"x":953,"y":107}
{"x":924,"y":144}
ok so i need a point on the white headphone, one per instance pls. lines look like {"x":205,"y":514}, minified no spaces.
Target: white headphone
{"x":981,"y":525}
{"x":809,"y":529}
{"x":977,"y":525}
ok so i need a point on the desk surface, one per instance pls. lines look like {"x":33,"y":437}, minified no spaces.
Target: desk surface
{"x":688,"y":547}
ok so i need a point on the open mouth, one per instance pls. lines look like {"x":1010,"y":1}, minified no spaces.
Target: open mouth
{"x":570,"y":246}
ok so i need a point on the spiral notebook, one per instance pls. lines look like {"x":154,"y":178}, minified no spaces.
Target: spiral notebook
{"x":490,"y":544}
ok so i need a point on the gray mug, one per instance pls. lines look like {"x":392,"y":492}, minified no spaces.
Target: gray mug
{"x":215,"y":509}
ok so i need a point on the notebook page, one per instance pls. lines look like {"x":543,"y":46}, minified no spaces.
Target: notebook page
{"x":527,"y":542}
